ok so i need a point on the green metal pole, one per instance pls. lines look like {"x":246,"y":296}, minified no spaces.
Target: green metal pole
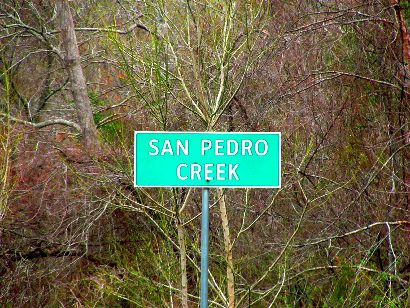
{"x":204,"y":247}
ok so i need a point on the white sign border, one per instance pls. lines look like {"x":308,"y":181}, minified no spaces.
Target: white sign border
{"x":205,"y":132}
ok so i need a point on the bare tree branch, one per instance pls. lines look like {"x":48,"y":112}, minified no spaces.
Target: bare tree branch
{"x":379,"y":223}
{"x":109,"y":30}
{"x":42,"y":124}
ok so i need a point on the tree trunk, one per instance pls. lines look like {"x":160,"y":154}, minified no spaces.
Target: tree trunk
{"x":72,"y":62}
{"x":183,"y":259}
{"x":228,"y":249}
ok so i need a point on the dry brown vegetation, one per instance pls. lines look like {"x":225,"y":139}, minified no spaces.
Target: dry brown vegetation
{"x":332,"y":76}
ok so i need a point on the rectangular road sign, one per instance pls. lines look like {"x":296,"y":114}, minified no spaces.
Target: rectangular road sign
{"x":207,"y":159}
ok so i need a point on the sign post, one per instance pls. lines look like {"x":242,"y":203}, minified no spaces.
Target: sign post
{"x":204,"y":247}
{"x":205,"y":159}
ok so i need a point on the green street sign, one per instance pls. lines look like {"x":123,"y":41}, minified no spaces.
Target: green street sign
{"x":207,"y":159}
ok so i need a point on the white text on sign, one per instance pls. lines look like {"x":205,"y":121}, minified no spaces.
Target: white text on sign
{"x":218,"y":147}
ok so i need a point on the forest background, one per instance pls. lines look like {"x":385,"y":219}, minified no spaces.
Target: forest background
{"x":77,"y":78}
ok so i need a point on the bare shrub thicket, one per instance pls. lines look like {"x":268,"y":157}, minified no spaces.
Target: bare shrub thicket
{"x":332,"y":76}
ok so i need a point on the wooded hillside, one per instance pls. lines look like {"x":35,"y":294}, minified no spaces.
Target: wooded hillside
{"x":77,"y":78}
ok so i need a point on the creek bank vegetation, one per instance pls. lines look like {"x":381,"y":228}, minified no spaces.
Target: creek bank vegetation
{"x":79,"y":77}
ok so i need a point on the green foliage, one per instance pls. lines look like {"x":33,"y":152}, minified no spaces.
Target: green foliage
{"x":143,"y":278}
{"x":144,"y":272}
{"x":405,"y":6}
{"x":299,"y":294}
{"x":349,"y":43}
{"x":112,"y":130}
{"x":95,"y":99}
{"x":343,"y":53}
{"x":353,"y":154}
{"x":348,"y":285}
{"x":152,"y":85}
{"x":343,"y":287}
